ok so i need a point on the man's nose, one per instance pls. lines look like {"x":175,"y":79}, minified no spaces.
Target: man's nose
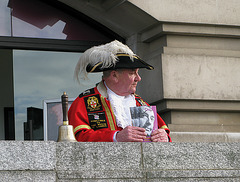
{"x":138,"y":78}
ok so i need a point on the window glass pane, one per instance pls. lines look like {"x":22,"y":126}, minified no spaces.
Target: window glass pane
{"x":39,"y":20}
{"x":41,"y":75}
{"x":5,"y":18}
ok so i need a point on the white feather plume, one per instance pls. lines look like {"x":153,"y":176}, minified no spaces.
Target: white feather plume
{"x":104,"y":53}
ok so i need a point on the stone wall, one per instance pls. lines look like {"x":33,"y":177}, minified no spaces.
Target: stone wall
{"x":51,"y":161}
{"x":194,"y":47}
{"x":194,"y":84}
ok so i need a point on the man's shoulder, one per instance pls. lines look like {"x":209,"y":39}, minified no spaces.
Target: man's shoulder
{"x":137,"y":96}
{"x":87,"y":92}
{"x":140,"y":100}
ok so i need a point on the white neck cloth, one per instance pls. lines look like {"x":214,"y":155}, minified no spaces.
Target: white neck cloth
{"x":121,"y":107}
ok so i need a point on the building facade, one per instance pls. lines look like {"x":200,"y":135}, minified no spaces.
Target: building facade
{"x":193,"y":45}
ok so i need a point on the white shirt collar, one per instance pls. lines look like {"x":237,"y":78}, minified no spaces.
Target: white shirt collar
{"x":121,"y":107}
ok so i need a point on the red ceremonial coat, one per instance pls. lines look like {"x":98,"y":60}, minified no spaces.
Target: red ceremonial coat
{"x":93,"y":119}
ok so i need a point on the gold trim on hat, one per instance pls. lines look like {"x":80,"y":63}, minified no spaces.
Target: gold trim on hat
{"x":94,"y":67}
{"x":122,"y":54}
{"x":136,"y":57}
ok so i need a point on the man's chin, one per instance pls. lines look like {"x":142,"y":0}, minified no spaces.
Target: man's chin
{"x":133,"y":90}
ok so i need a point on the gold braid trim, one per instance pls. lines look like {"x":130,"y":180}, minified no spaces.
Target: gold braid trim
{"x":110,"y":119}
{"x":80,"y":127}
{"x":163,"y":127}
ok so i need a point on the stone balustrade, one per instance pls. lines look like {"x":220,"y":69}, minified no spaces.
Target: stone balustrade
{"x":52,"y":161}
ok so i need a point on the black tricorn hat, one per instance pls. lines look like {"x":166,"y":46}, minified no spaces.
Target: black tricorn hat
{"x":124,"y":61}
{"x":111,"y":56}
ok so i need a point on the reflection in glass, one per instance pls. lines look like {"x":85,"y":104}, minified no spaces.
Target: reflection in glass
{"x":40,"y":20}
{"x":23,"y":29}
{"x":5,"y":18}
{"x":41,"y":75}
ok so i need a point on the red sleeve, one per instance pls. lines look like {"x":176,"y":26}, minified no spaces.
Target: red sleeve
{"x":78,"y":117}
{"x":161,"y":124}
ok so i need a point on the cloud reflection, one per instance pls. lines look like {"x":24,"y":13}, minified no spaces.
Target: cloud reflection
{"x":5,"y":19}
{"x":41,"y":75}
{"x":55,"y":31}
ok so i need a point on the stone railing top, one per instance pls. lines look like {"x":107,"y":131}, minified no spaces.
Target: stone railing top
{"x":35,"y":155}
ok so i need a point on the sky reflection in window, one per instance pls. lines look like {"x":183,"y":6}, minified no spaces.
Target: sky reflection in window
{"x":5,"y":18}
{"x":41,"y":75}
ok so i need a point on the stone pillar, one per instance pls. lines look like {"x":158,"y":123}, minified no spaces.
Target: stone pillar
{"x":196,"y":83}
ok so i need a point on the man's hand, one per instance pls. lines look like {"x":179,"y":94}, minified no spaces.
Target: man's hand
{"x":159,"y":135}
{"x":131,"y":134}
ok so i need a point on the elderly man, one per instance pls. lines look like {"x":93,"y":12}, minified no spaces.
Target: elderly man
{"x":102,"y":114}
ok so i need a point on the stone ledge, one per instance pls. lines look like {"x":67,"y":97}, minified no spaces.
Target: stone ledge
{"x":193,"y":174}
{"x":192,"y":179}
{"x":189,"y":29}
{"x":204,"y":128}
{"x":23,"y":176}
{"x":191,"y":156}
{"x":201,"y":51}
{"x":106,"y":161}
{"x":98,"y":156}
{"x":198,"y":105}
{"x":102,"y":174}
{"x":205,"y":137}
{"x":32,"y":155}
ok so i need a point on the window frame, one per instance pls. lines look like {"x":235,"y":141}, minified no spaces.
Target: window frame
{"x":46,"y":44}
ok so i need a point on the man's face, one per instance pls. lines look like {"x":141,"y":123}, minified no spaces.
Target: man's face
{"x":127,"y":81}
{"x":143,"y":117}
{"x":147,"y":122}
